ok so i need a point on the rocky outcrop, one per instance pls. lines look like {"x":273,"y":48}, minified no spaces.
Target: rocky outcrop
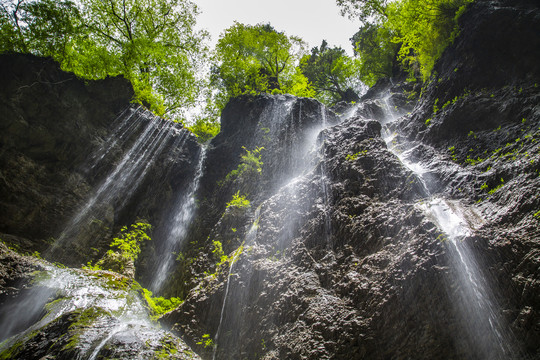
{"x":66,"y":314}
{"x":16,"y":273}
{"x":347,"y":259}
{"x":62,"y":141}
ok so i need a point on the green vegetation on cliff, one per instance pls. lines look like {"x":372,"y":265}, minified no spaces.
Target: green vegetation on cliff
{"x":407,"y":33}
{"x":152,"y":43}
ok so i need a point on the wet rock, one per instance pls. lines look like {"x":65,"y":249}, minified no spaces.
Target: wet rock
{"x":67,"y":314}
{"x":16,"y":273}
{"x":60,"y":142}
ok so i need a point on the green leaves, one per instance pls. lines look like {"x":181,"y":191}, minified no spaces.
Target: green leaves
{"x":424,"y":28}
{"x":330,"y":71}
{"x":238,"y":201}
{"x":127,"y":243}
{"x":151,"y":42}
{"x":44,"y":27}
{"x":414,"y":32}
{"x":376,"y":52}
{"x":251,"y":59}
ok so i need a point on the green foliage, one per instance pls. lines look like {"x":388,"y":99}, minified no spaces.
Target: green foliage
{"x":219,"y":255}
{"x":206,"y":341}
{"x":238,"y":201}
{"x":453,"y":152}
{"x":221,"y":258}
{"x":375,"y":52}
{"x":204,"y":129}
{"x":45,"y":27}
{"x":330,"y":72}
{"x":492,"y":191}
{"x":160,"y":305}
{"x":127,"y":243}
{"x":151,"y":42}
{"x":418,"y":29}
{"x":250,"y":164}
{"x":124,"y":249}
{"x":353,"y":157}
{"x":364,"y":10}
{"x":424,"y":28}
{"x":251,"y":59}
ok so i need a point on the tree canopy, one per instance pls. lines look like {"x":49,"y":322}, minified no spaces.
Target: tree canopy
{"x":151,"y":42}
{"x":331,"y":73}
{"x":414,"y":32}
{"x":257,"y":58}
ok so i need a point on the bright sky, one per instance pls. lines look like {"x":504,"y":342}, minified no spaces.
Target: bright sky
{"x":312,"y":20}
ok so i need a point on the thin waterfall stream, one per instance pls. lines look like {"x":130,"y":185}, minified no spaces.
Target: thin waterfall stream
{"x":183,"y":214}
{"x":477,"y":303}
{"x":126,"y":177}
{"x":250,"y":237}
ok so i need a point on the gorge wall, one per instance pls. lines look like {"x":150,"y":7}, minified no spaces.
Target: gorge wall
{"x":405,"y":226}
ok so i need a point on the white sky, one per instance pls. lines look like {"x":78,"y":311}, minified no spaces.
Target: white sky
{"x":312,"y":20}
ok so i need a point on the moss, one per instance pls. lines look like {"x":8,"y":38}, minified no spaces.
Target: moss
{"x":40,"y":276}
{"x":12,"y":351}
{"x":355,"y":156}
{"x":111,"y":280}
{"x":168,"y":348}
{"x":84,"y":318}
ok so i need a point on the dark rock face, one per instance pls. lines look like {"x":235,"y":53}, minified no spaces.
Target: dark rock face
{"x":61,"y":142}
{"x":15,"y":273}
{"x":407,"y":229}
{"x":346,"y":260}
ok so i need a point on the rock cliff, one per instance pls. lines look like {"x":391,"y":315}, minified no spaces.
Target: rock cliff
{"x":60,"y":143}
{"x":403,"y":227}
{"x":348,"y":258}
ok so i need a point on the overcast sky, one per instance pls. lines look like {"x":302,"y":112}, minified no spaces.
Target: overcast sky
{"x":312,"y":20}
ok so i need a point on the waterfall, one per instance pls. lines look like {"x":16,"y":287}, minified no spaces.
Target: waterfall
{"x":107,"y":304}
{"x":250,"y":237}
{"x":488,"y":334}
{"x":183,"y":214}
{"x":293,"y":161}
{"x":324,"y":183}
{"x":110,"y":305}
{"x":147,"y":137}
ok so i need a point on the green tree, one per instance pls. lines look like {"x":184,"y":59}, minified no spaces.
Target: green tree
{"x":375,"y":51}
{"x":414,"y":32}
{"x":331,"y":73}
{"x":255,"y":59}
{"x":151,"y":42}
{"x":364,"y":10}
{"x":424,"y":28}
{"x":43,"y":27}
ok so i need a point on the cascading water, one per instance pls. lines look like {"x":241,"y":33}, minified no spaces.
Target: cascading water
{"x":184,"y":213}
{"x":489,"y":337}
{"x":152,"y":135}
{"x":106,"y":306}
{"x":296,"y":158}
{"x":250,"y":237}
{"x":103,"y":306}
{"x":324,"y":183}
